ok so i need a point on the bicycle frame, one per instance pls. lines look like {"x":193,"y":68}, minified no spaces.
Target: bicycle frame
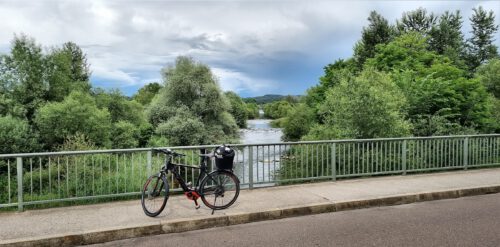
{"x":171,"y":167}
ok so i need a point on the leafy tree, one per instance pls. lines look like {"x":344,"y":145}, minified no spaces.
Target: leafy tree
{"x":77,"y":113}
{"x":291,"y":99}
{"x":489,"y":75}
{"x":66,"y":70}
{"x":184,"y":128}
{"x":146,"y":131}
{"x":334,"y":73}
{"x":192,"y":87}
{"x":378,"y":32}
{"x":446,"y":38}
{"x":277,"y":109}
{"x":496,"y":114}
{"x":25,"y":74}
{"x":480,"y":45}
{"x":369,"y":106}
{"x":238,"y":109}
{"x":9,"y":106}
{"x":439,"y":124}
{"x":407,"y":52}
{"x":147,"y":93}
{"x":124,"y":135}
{"x":416,"y":21}
{"x":252,"y":110}
{"x":431,"y":82}
{"x":298,"y":122}
{"x":80,"y":69}
{"x":250,"y":100}
{"x":120,"y":108}
{"x":16,"y":136}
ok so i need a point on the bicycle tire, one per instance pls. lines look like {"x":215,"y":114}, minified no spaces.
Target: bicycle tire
{"x":217,"y":184}
{"x":160,"y":182}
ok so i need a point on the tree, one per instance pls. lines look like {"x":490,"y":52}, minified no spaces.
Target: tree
{"x":80,"y":69}
{"x":16,"y":136}
{"x":480,"y":45}
{"x":431,"y":82}
{"x":369,"y":106}
{"x":77,"y":113}
{"x":147,"y":93}
{"x":378,"y":32}
{"x":252,"y":110}
{"x":26,"y":73}
{"x":192,"y":87}
{"x":298,"y":122}
{"x":489,"y":75}
{"x":416,"y":21}
{"x":183,"y":128}
{"x":238,"y":109}
{"x":277,"y":109}
{"x":124,"y":135}
{"x":120,"y":108}
{"x":66,"y":69}
{"x":407,"y":52}
{"x":446,"y":37}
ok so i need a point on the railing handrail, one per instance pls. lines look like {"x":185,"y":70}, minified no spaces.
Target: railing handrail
{"x":15,"y":155}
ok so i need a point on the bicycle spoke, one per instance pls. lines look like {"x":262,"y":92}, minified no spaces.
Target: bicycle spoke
{"x":223,"y":187}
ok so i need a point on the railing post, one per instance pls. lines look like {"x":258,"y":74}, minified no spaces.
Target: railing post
{"x":250,"y":167}
{"x":19,"y":184}
{"x":466,"y":152}
{"x":403,"y":157}
{"x":334,"y":165}
{"x":149,"y":160}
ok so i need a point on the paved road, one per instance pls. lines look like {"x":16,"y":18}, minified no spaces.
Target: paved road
{"x":468,"y":221}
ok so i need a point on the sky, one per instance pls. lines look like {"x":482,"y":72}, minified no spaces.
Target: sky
{"x":253,"y":47}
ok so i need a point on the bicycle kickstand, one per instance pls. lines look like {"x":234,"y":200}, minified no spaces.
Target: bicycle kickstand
{"x":196,"y":205}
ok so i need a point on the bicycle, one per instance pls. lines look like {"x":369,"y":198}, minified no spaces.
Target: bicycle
{"x":219,"y":184}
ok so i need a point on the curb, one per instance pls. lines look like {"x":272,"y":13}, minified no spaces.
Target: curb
{"x":183,"y":225}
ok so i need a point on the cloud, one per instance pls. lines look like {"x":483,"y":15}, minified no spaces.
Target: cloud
{"x":254,"y":47}
{"x":241,"y":83}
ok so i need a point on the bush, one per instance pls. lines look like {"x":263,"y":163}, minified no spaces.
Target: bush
{"x":124,"y":135}
{"x":16,"y":136}
{"x":78,"y":113}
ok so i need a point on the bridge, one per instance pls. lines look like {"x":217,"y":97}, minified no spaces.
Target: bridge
{"x":283,"y":170}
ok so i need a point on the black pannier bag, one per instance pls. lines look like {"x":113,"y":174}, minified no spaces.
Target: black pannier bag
{"x":224,"y":157}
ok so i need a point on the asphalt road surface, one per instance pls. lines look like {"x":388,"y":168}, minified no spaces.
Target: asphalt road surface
{"x":468,"y":221}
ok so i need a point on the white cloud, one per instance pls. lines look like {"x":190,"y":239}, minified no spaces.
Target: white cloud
{"x":239,"y":82}
{"x":243,"y":41}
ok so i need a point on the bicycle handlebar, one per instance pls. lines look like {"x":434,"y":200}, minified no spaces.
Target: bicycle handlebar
{"x":169,"y":152}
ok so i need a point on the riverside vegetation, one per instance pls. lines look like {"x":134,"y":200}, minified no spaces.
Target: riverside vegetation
{"x":417,"y":77}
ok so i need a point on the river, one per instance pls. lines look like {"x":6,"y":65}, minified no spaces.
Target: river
{"x":260,"y":131}
{"x":265,"y":158}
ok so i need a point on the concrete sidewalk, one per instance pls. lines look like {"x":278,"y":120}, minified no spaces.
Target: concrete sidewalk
{"x":118,"y":220}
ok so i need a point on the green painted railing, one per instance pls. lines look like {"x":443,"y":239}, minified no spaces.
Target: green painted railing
{"x":38,"y":178}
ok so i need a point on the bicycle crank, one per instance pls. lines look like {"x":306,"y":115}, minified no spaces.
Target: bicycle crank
{"x":193,"y":195}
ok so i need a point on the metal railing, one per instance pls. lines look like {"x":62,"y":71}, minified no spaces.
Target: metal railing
{"x":37,"y":178}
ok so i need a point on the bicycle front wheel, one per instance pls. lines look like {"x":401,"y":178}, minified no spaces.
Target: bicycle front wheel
{"x":154,"y":195}
{"x":219,"y":189}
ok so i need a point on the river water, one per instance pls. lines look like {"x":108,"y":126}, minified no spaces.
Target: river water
{"x":266,"y":158}
{"x":260,"y":131}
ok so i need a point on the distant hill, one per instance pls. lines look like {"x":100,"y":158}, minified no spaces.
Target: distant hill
{"x":268,"y":98}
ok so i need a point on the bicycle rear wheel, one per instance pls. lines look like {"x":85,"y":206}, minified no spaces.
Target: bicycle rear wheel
{"x":154,"y":195}
{"x":219,"y":189}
